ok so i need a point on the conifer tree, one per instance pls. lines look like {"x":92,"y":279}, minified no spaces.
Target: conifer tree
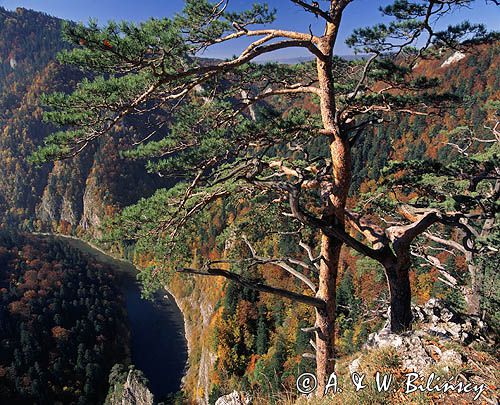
{"x":463,"y":192}
{"x":220,"y":131}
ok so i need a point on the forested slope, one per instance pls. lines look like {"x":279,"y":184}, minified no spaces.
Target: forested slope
{"x":66,"y":195}
{"x":473,"y":76}
{"x":254,"y":341}
{"x":62,"y":323}
{"x":238,"y":338}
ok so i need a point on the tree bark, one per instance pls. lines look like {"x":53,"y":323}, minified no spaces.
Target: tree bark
{"x":473,"y":293}
{"x":325,"y":318}
{"x":398,"y":278}
{"x":334,"y":195}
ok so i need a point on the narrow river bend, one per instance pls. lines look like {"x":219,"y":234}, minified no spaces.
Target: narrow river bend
{"x":158,"y":343}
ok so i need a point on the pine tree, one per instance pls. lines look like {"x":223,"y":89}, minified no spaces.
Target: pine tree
{"x":228,"y":141}
{"x":262,"y":339}
{"x":463,"y":191}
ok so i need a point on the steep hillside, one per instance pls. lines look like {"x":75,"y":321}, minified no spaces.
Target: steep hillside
{"x":474,"y":76}
{"x":238,"y":339}
{"x":67,"y":196}
{"x":254,"y":342}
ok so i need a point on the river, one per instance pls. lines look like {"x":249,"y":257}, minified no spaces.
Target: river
{"x":158,"y":343}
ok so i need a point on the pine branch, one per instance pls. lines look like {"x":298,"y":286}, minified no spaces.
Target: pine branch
{"x":315,"y":9}
{"x":257,"y":285}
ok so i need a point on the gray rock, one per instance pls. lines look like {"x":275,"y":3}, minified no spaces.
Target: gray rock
{"x":437,"y":331}
{"x":451,"y":358}
{"x":433,"y":303}
{"x":446,"y":315}
{"x":428,"y":312}
{"x":235,"y":398}
{"x":133,"y":393}
{"x":454,"y":329}
{"x":433,"y":319}
{"x":433,"y":351}
{"x":384,"y":338}
{"x":467,"y":325}
{"x":420,"y":333}
{"x":413,"y":354}
{"x":354,"y":366}
{"x":409,"y":347}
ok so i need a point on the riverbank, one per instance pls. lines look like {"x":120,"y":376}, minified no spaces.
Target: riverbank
{"x":159,"y":331}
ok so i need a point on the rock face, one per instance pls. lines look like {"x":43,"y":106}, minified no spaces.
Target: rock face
{"x":92,"y":207}
{"x":440,"y":321}
{"x":235,"y":398}
{"x":61,"y":198}
{"x":198,"y":312}
{"x":415,"y":349}
{"x":456,"y":57}
{"x":207,"y":361}
{"x":133,"y":392}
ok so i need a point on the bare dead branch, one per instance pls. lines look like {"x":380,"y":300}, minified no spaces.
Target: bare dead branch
{"x":258,"y":286}
{"x":447,"y":242}
{"x":284,"y":264}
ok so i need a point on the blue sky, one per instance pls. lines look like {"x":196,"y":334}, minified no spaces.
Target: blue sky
{"x":359,"y":13}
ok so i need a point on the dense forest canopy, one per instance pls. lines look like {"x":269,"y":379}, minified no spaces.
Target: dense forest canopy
{"x":62,"y":323}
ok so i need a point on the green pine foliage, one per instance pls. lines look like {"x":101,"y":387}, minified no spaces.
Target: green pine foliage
{"x":212,"y":149}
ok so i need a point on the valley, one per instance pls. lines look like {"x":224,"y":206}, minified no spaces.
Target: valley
{"x":283,"y":215}
{"x":157,"y":344}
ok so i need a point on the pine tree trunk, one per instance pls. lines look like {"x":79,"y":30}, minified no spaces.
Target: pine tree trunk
{"x":334,"y":195}
{"x":398,"y":278}
{"x":473,"y":294}
{"x":325,"y":319}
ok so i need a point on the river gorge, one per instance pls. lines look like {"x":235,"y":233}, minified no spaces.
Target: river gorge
{"x":157,"y":336}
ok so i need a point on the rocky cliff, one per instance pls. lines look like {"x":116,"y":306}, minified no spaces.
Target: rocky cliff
{"x":132,"y":391}
{"x":69,"y":196}
{"x":197,"y":300}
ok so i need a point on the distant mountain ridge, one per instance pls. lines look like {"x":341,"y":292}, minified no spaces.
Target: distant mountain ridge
{"x":302,"y":59}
